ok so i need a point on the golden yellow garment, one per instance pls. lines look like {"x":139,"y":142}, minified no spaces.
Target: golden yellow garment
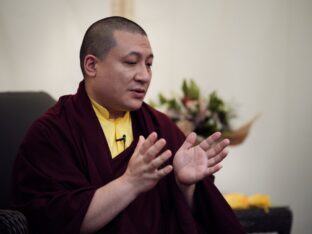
{"x":114,"y":129}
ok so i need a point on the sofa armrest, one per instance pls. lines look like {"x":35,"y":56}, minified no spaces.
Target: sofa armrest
{"x":12,"y":221}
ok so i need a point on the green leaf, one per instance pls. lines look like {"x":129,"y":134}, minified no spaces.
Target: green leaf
{"x":173,"y":104}
{"x":194,"y":90}
{"x":185,"y":88}
{"x":215,"y":103}
{"x":190,"y":89}
{"x":162,"y":99}
{"x":152,"y":103}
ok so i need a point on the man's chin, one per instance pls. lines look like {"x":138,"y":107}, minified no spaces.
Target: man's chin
{"x":134,"y":105}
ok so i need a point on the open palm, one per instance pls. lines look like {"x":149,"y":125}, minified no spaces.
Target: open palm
{"x":193,"y":162}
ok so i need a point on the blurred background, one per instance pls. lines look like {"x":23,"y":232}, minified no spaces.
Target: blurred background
{"x":255,"y":53}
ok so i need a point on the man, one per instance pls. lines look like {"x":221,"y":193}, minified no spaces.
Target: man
{"x":104,"y":161}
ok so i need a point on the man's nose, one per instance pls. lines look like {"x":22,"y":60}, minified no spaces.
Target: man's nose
{"x":143,"y":74}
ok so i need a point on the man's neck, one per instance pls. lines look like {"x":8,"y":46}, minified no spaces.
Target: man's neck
{"x":115,"y":114}
{"x":112,"y":114}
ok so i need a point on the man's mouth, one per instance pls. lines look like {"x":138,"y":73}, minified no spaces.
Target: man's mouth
{"x":138,"y":92}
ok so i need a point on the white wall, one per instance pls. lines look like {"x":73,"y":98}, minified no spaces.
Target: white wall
{"x":257,"y":53}
{"x":40,"y":40}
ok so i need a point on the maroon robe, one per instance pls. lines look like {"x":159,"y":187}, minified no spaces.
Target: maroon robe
{"x":64,"y":158}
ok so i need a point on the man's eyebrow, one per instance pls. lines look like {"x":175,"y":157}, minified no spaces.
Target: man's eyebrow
{"x":135,"y":53}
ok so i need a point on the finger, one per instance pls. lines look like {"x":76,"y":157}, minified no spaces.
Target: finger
{"x":158,"y":161}
{"x":216,"y":149}
{"x":139,"y":145}
{"x":212,"y":170}
{"x":154,"y":150}
{"x":164,"y":171}
{"x":206,"y":144}
{"x":150,"y":140}
{"x":189,"y":141}
{"x":215,"y":160}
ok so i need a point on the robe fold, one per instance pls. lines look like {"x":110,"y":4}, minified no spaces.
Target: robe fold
{"x":64,"y":158}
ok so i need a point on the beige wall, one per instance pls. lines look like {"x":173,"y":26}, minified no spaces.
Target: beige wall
{"x":256,"y":53}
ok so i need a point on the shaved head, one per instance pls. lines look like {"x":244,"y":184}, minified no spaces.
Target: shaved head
{"x":99,"y":38}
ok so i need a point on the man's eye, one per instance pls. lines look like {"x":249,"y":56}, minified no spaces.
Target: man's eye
{"x":130,"y":62}
{"x":149,"y":64}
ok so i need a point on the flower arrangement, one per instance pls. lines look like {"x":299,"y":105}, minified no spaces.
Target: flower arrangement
{"x":203,"y":115}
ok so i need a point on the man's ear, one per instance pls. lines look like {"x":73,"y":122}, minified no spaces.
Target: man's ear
{"x":89,"y":65}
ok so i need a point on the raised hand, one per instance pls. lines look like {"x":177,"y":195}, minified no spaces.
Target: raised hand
{"x":193,"y":162}
{"x":143,"y":171}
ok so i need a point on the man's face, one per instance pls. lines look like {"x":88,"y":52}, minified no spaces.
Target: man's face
{"x":123,"y":76}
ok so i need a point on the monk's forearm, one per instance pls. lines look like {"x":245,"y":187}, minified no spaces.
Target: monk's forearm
{"x":107,"y":202}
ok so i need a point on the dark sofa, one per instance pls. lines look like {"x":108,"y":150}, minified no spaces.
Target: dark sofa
{"x":18,"y":111}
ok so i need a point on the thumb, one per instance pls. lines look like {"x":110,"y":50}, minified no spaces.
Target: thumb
{"x":189,"y":141}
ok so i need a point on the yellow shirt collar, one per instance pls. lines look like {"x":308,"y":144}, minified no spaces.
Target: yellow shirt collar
{"x":114,"y":128}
